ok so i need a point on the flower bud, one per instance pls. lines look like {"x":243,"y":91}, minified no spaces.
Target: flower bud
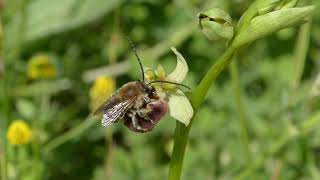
{"x":287,"y":4}
{"x":271,"y":22}
{"x":261,"y":7}
{"x":267,"y":6}
{"x":216,"y":24}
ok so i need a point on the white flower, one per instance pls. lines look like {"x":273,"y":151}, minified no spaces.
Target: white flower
{"x":179,"y":105}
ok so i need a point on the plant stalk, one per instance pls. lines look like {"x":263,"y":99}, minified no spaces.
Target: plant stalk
{"x":200,"y":92}
{"x":240,"y":108}
{"x":77,"y":131}
{"x":300,"y":54}
{"x":197,"y":97}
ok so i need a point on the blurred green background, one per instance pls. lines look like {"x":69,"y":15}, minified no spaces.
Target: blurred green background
{"x":80,"y":40}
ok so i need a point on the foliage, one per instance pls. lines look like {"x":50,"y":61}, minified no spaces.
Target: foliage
{"x":266,"y":104}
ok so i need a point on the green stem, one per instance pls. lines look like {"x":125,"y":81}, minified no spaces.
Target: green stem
{"x":5,"y":111}
{"x":300,"y":54}
{"x":110,"y":147}
{"x":3,"y":165}
{"x":10,"y":55}
{"x":240,"y":109}
{"x":312,"y":167}
{"x":180,"y":141}
{"x":76,"y":131}
{"x":299,"y":59}
{"x":197,"y":97}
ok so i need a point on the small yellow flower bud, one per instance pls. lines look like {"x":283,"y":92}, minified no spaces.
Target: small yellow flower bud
{"x":101,"y":89}
{"x":40,"y":66}
{"x":19,"y":133}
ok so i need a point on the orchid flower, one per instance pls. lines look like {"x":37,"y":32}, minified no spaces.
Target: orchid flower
{"x":179,"y":105}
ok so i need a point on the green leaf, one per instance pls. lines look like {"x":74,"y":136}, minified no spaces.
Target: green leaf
{"x":47,"y":17}
{"x":264,"y":25}
{"x":181,"y":70}
{"x":180,"y":107}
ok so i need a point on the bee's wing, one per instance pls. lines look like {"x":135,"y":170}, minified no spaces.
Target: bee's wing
{"x":111,"y":114}
{"x":109,"y":103}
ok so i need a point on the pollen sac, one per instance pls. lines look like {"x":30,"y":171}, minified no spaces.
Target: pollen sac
{"x":156,"y":110}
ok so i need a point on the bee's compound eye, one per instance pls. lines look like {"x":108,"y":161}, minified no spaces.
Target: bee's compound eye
{"x":150,"y":90}
{"x":153,"y":91}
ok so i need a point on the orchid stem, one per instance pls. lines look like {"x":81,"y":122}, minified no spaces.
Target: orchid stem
{"x":197,"y":97}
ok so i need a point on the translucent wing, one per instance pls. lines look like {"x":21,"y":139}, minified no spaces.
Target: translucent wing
{"x":109,"y":103}
{"x":111,"y":114}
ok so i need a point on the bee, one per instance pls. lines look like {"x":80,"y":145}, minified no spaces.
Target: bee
{"x":136,"y":103}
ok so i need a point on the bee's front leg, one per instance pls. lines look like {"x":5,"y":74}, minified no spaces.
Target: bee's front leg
{"x":147,"y":100}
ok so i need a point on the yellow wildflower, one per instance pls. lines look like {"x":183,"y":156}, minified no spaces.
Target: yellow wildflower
{"x":19,"y":133}
{"x":40,"y":66}
{"x":101,"y":89}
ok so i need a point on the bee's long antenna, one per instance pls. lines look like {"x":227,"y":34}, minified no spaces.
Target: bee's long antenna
{"x":169,"y":82}
{"x":136,"y":54}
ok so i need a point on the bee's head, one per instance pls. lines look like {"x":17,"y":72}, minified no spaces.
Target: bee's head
{"x":149,"y":89}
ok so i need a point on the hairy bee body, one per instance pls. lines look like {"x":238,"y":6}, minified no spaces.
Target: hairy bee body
{"x":137,"y":104}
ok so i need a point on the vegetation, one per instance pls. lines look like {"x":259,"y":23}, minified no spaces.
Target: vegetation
{"x":252,"y":69}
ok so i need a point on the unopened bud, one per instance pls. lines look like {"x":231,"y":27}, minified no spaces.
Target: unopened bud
{"x":216,"y":24}
{"x":271,"y":22}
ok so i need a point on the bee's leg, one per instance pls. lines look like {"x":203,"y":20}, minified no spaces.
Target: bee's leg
{"x":135,"y":123}
{"x":143,"y":113}
{"x":130,"y":114}
{"x":146,"y":99}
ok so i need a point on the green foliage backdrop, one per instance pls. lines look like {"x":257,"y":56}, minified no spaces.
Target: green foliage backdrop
{"x":278,"y":93}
